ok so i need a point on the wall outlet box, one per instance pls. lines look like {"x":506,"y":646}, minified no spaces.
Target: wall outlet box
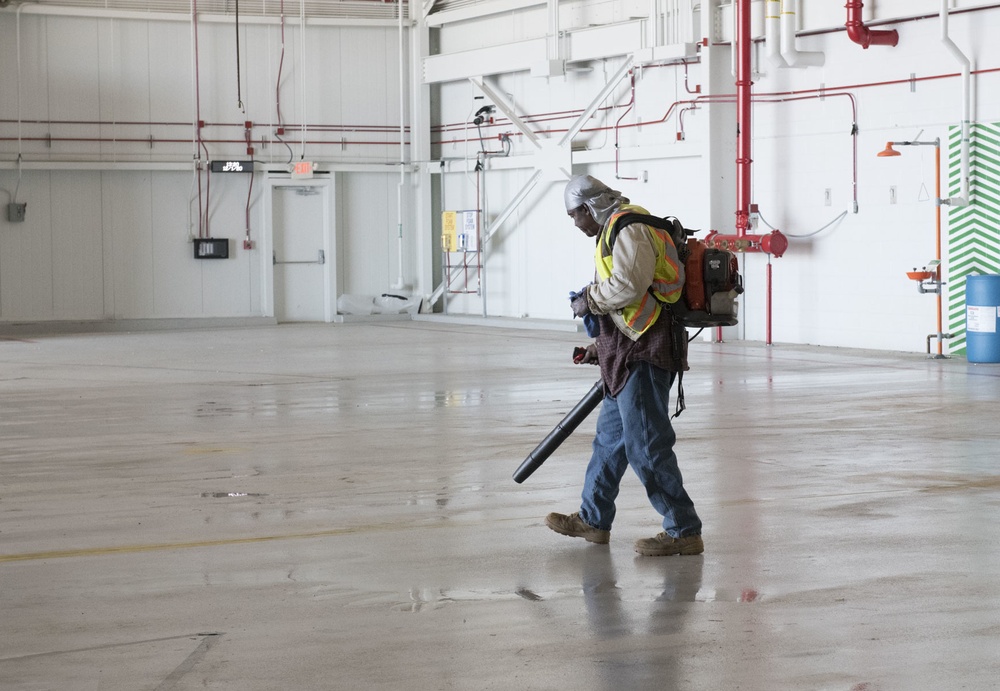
{"x":16,"y":212}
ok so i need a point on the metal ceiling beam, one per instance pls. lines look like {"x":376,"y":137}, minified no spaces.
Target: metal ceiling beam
{"x":480,"y":9}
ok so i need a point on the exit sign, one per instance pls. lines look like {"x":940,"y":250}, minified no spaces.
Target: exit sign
{"x":303,"y":169}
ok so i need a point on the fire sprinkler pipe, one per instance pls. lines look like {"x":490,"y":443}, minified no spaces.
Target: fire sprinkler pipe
{"x":744,"y":83}
{"x":861,"y":34}
{"x":775,"y":243}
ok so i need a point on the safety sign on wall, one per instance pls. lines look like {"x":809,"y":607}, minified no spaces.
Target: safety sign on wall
{"x":459,"y":231}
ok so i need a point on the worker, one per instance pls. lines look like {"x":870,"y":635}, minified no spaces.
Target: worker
{"x":640,"y":350}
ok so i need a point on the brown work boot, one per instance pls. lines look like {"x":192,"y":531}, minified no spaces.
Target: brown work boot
{"x":663,"y":545}
{"x":574,"y":526}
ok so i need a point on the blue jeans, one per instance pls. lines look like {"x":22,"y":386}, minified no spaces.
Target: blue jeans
{"x":634,"y":429}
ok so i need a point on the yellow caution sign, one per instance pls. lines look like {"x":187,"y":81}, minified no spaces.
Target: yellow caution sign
{"x":449,"y":231}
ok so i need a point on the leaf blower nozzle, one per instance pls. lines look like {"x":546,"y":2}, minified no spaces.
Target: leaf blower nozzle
{"x":560,"y":433}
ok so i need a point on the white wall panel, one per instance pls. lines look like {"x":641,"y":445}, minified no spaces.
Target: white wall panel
{"x":325,"y":74}
{"x":33,"y":92}
{"x":178,"y":282}
{"x":225,"y":283}
{"x":219,"y":96}
{"x":532,"y":266}
{"x":8,"y":77}
{"x":125,"y":87}
{"x":77,"y":246}
{"x":169,"y":63}
{"x":369,"y":89}
{"x":73,"y":83}
{"x":368,"y":227}
{"x":131,"y":79}
{"x":26,"y":252}
{"x":129,"y":233}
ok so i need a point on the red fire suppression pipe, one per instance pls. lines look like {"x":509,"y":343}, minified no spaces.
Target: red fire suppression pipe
{"x":774,"y":243}
{"x":767,"y":334}
{"x":861,"y":34}
{"x":744,"y":82}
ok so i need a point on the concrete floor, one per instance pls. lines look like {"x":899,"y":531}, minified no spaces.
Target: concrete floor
{"x":331,"y":507}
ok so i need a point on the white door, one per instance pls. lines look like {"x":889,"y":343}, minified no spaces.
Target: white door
{"x":299,"y":257}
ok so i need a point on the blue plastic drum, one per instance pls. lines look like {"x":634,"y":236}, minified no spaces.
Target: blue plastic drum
{"x":982,"y":318}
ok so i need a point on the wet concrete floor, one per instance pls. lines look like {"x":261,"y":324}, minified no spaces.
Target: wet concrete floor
{"x":331,"y":507}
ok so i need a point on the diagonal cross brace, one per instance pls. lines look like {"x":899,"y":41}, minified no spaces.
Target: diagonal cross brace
{"x":505,"y":107}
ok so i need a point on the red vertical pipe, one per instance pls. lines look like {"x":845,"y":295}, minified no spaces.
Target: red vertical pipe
{"x":743,"y":85}
{"x":767,"y":335}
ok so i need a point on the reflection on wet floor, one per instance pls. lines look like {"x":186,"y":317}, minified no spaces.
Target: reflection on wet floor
{"x":589,"y":574}
{"x":223,"y":495}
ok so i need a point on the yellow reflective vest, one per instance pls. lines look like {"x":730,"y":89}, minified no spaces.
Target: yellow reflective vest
{"x":668,"y":276}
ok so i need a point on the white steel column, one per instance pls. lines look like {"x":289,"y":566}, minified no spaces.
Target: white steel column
{"x":422,"y":221}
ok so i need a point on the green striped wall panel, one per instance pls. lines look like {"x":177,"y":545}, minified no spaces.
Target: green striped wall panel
{"x":973,"y":237}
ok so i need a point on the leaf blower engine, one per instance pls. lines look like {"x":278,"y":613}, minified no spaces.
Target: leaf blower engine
{"x":712,"y":284}
{"x":712,"y":280}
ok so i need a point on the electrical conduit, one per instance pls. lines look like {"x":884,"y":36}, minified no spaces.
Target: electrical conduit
{"x":791,"y":55}
{"x":963,"y":200}
{"x":772,"y":33}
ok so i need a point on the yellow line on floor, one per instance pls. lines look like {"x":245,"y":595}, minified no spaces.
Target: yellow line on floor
{"x":131,"y":549}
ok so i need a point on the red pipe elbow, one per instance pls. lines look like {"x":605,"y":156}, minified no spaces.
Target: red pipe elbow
{"x":861,"y":34}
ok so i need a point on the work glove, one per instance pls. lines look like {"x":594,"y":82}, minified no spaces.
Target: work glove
{"x":581,"y":308}
{"x":578,"y":302}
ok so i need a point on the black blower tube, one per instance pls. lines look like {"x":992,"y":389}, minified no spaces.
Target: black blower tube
{"x":561,"y":432}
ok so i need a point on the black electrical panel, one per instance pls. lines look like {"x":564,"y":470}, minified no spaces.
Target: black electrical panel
{"x":211,"y":248}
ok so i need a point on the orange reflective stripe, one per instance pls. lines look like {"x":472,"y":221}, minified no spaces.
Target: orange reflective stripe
{"x":653,"y":313}
{"x":646,"y":311}
{"x":667,"y":290}
{"x":638,"y":311}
